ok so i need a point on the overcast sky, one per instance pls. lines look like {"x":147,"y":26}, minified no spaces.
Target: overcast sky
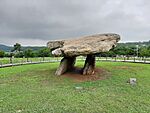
{"x":34,"y":22}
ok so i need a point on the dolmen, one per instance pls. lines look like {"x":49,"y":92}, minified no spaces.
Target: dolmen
{"x":87,"y":46}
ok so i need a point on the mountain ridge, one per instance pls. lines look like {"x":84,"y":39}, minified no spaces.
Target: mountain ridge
{"x":9,"y":48}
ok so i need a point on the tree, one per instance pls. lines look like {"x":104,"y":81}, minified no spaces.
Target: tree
{"x":17,"y":47}
{"x":120,"y":50}
{"x":130,"y":51}
{"x":28,"y":53}
{"x":144,"y":52}
{"x":2,"y":54}
{"x":111,"y":53}
{"x":45,"y":52}
{"x":19,"y":55}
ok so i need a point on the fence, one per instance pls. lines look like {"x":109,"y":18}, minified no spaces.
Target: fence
{"x":125,"y":59}
{"x":7,"y":62}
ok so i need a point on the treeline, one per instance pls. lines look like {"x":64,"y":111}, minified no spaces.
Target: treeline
{"x":126,"y":50}
{"x":18,"y":52}
{"x":122,"y":49}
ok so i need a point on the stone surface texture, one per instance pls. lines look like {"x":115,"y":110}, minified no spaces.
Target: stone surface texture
{"x":84,"y":45}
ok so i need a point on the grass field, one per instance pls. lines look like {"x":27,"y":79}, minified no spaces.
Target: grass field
{"x":35,"y":89}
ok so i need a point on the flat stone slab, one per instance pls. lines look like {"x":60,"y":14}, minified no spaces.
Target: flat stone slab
{"x":84,"y":45}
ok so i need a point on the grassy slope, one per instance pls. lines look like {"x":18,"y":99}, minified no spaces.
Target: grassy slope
{"x":35,"y":89}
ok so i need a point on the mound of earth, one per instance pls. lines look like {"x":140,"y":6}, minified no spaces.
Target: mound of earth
{"x":77,"y":76}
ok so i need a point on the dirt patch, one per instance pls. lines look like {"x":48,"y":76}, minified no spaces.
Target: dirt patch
{"x":76,"y":75}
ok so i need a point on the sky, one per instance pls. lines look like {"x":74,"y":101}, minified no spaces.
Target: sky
{"x":35,"y":22}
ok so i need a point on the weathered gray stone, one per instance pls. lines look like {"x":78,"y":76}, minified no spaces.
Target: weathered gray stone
{"x":89,"y":45}
{"x":132,"y":81}
{"x":84,"y":45}
{"x":79,"y":88}
{"x":55,"y":44}
{"x":89,"y":65}
{"x":66,"y":64}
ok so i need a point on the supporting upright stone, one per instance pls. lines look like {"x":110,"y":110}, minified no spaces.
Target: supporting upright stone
{"x":89,"y":65}
{"x":66,"y":64}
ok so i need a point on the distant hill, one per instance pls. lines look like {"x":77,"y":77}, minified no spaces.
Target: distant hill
{"x":34,"y":48}
{"x":9,"y":48}
{"x":5,"y":48}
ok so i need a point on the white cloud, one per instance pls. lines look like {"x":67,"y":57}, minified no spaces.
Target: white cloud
{"x":36,"y":21}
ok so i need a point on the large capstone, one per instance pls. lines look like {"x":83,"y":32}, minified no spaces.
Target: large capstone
{"x":88,"y":45}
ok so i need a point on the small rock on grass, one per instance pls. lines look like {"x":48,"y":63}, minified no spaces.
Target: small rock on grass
{"x":132,"y":81}
{"x":19,"y":111}
{"x":79,"y":88}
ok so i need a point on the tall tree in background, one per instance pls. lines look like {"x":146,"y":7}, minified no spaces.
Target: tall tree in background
{"x":45,"y":52}
{"x":144,"y":52}
{"x":28,"y":53}
{"x":2,"y":54}
{"x":17,"y":47}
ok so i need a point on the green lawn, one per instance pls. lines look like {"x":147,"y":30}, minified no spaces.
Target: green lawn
{"x":35,"y":89}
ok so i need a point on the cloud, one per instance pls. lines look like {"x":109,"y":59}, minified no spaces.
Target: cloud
{"x":43,"y":20}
